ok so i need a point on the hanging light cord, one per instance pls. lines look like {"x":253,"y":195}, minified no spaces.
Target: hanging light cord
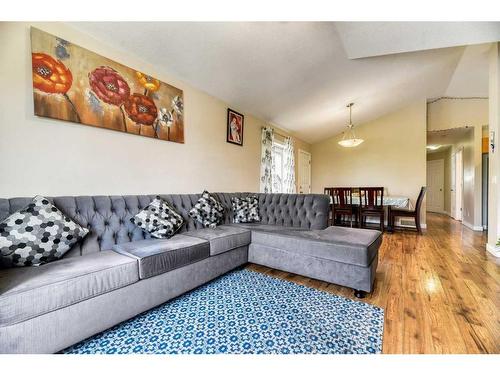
{"x":350,"y":126}
{"x":350,"y":115}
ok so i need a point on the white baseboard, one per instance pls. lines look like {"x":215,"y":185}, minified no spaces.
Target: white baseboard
{"x":477,"y":228}
{"x":493,"y":250}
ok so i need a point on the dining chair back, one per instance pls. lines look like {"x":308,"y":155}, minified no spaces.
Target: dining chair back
{"x":342,"y":207}
{"x":420,"y":198}
{"x":342,"y":197}
{"x":395,"y":212}
{"x":371,"y":204}
{"x":371,"y":198}
{"x":329,"y":191}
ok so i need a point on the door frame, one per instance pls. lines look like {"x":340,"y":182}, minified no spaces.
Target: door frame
{"x":300,"y":168}
{"x":453,"y":189}
{"x":459,"y":184}
{"x":485,"y":160}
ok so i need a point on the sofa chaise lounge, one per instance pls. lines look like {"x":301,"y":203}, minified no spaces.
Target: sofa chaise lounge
{"x":119,"y":271}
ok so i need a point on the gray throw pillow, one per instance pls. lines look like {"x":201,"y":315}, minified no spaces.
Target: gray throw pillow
{"x":246,"y":210}
{"x":37,"y":234}
{"x":158,"y":219}
{"x":208,"y":211}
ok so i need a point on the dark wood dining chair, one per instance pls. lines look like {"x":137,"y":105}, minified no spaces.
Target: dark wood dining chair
{"x":371,"y":204}
{"x":342,"y":205}
{"x":395,"y":212}
{"x":329,"y":191}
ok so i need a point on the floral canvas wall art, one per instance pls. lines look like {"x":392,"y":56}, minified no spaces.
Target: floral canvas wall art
{"x":74,"y":84}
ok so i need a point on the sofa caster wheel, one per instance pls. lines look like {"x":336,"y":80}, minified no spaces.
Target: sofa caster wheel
{"x":359,"y":294}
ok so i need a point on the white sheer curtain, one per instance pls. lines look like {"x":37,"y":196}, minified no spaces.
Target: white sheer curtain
{"x":289,"y":167}
{"x":277,"y":169}
{"x":266,"y":161}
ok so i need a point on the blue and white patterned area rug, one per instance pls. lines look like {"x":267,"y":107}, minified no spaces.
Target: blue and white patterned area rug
{"x":246,"y":312}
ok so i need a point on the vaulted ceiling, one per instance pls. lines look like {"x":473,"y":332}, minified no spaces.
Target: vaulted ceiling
{"x":300,"y":75}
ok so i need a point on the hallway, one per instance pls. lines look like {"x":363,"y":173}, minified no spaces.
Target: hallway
{"x":440,"y":291}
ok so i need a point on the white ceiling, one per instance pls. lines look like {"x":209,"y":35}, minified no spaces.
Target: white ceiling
{"x":298,"y":75}
{"x":471,"y":74}
{"x":367,"y":39}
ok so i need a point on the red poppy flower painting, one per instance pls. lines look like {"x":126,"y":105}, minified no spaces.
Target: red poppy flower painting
{"x":109,"y":86}
{"x":141,"y":109}
{"x":50,"y":75}
{"x":74,"y":84}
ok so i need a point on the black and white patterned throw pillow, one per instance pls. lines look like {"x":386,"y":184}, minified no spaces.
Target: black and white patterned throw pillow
{"x":246,"y":210}
{"x":37,"y":234}
{"x":208,"y":211}
{"x":158,"y":219}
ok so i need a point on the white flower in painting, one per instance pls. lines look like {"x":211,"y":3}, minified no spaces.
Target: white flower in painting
{"x":178,"y":105}
{"x":165,"y":118}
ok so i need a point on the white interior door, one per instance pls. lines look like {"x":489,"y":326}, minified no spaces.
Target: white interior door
{"x":459,"y":181}
{"x":435,"y":185}
{"x":304,"y":177}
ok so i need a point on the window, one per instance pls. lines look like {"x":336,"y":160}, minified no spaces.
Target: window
{"x":278,"y":151}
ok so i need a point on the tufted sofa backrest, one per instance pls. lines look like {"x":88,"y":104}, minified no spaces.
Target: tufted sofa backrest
{"x":108,"y":217}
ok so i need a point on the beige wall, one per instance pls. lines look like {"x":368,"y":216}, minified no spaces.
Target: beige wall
{"x":459,"y":113}
{"x":50,"y":157}
{"x":444,"y":155}
{"x":393,"y":155}
{"x":449,"y":113}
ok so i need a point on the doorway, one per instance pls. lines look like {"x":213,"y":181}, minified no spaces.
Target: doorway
{"x":304,"y":172}
{"x":456,"y":148}
{"x":435,"y":185}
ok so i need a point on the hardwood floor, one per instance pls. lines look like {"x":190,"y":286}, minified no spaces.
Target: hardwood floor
{"x":440,"y":291}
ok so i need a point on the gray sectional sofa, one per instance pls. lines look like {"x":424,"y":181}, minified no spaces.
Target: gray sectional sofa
{"x":119,"y":271}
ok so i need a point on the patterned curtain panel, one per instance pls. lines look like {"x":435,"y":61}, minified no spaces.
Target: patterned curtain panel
{"x":266,"y":161}
{"x":289,"y":167}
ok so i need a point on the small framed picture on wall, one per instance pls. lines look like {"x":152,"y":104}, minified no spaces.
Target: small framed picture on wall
{"x":235,"y":122}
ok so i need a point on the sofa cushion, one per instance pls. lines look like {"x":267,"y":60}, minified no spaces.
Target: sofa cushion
{"x":267,"y":227}
{"x":245,"y":209}
{"x":223,"y":238}
{"x":346,"y":245}
{"x":37,"y":234}
{"x":158,"y":219}
{"x":159,"y":256}
{"x":27,"y":292}
{"x":208,"y":211}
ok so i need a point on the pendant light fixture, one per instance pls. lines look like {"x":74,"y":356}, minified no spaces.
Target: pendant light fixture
{"x":349,"y":139}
